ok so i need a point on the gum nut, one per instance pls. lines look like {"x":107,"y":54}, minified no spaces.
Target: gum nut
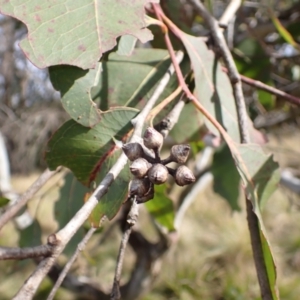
{"x":184,"y":176}
{"x":139,"y":167}
{"x":133,"y":151}
{"x":158,"y":174}
{"x":139,"y":187}
{"x":180,"y":153}
{"x":152,"y":138}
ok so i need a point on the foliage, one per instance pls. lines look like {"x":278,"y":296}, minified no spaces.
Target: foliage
{"x":104,"y":81}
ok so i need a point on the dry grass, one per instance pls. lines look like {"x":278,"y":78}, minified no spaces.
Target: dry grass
{"x":212,"y":259}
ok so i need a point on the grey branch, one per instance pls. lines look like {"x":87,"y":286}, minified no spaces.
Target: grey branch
{"x":65,"y":234}
{"x":68,"y":266}
{"x":24,"y":253}
{"x":169,"y":121}
{"x":130,"y":222}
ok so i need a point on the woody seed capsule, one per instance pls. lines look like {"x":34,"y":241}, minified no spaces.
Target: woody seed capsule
{"x":139,"y":187}
{"x":152,"y":138}
{"x":180,"y":153}
{"x":133,"y":151}
{"x":184,"y":176}
{"x":158,"y":174}
{"x":139,"y":167}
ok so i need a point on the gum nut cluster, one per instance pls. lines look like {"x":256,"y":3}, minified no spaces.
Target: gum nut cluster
{"x":149,"y":170}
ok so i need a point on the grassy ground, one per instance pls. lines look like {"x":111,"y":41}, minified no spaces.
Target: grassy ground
{"x":212,"y":259}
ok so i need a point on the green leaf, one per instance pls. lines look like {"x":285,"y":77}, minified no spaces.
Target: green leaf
{"x":226,"y":177}
{"x":75,"y":86}
{"x":75,"y":32}
{"x":120,"y":81}
{"x":31,"y":236}
{"x":161,"y":208}
{"x":86,"y":150}
{"x":126,"y":45}
{"x":260,"y":176}
{"x":70,"y":200}
{"x":259,"y":172}
{"x":130,"y":81}
{"x":283,"y":32}
{"x":4,"y":201}
{"x":111,"y":202}
{"x":185,"y":132}
{"x":212,"y":86}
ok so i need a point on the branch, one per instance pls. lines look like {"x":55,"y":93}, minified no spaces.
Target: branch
{"x":68,"y":266}
{"x":33,"y":189}
{"x":260,"y":85}
{"x":24,"y":253}
{"x":230,"y":11}
{"x":65,"y":234}
{"x":169,"y":121}
{"x":130,"y":222}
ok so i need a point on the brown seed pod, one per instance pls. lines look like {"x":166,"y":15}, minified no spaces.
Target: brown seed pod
{"x":146,"y":197}
{"x":139,"y":187}
{"x":139,"y":167}
{"x":158,"y":174}
{"x":133,"y":151}
{"x":184,"y":176}
{"x":180,"y":153}
{"x":152,"y":138}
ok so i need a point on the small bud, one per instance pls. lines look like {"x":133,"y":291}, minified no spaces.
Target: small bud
{"x":158,"y":174}
{"x":152,"y":138}
{"x":139,"y":187}
{"x":180,"y":153}
{"x":133,"y":151}
{"x":184,"y":176}
{"x":140,"y":167}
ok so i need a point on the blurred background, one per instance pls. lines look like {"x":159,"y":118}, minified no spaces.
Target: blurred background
{"x":211,"y":257}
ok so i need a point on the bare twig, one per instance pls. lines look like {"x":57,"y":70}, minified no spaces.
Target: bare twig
{"x":230,"y":12}
{"x":234,"y":76}
{"x":65,"y":234}
{"x":260,"y":85}
{"x":131,"y":220}
{"x":24,"y":253}
{"x":68,"y":266}
{"x":169,"y":121}
{"x":34,"y":188}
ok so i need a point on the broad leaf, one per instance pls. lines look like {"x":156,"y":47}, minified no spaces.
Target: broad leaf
{"x":111,"y":202}
{"x":76,"y":32}
{"x":260,"y":176}
{"x":185,"y":132}
{"x":161,"y":208}
{"x":126,"y":45}
{"x":86,"y":150}
{"x":130,"y":81}
{"x":226,"y":177}
{"x":75,"y":86}
{"x":70,"y":201}
{"x":31,"y":235}
{"x":120,"y":81}
{"x":212,"y":86}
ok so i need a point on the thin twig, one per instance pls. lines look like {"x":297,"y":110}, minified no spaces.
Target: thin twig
{"x":169,"y":121}
{"x":65,"y":234}
{"x":260,"y":85}
{"x":230,"y":12}
{"x":66,"y":269}
{"x":24,"y":253}
{"x":131,"y":220}
{"x":33,"y":189}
